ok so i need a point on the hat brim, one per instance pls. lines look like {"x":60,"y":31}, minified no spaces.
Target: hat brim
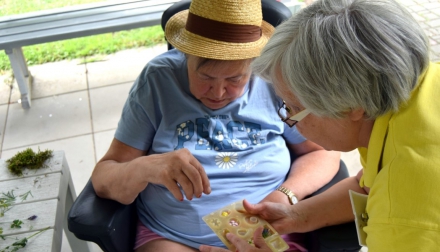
{"x":193,"y":44}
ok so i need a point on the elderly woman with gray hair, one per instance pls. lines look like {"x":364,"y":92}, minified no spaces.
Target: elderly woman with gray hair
{"x":356,"y":74}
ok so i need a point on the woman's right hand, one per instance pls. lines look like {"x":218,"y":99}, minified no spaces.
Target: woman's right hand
{"x":178,"y":171}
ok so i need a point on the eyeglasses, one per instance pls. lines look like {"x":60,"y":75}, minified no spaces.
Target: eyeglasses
{"x":284,"y":111}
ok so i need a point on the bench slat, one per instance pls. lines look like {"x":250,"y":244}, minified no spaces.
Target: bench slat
{"x":40,"y":187}
{"x":67,"y":21}
{"x":44,"y":36}
{"x":83,"y":23}
{"x":45,"y":211}
{"x":66,"y":9}
{"x":76,"y":13}
{"x":38,"y":243}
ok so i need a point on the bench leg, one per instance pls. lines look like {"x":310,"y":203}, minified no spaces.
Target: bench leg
{"x":75,"y":243}
{"x":22,"y":75}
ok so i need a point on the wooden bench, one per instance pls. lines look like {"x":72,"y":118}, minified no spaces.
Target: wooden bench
{"x":71,"y":22}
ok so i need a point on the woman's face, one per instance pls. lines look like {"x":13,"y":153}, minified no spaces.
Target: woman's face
{"x":332,"y":134}
{"x":217,"y":83}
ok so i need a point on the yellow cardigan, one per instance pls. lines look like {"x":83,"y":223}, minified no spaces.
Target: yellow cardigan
{"x":402,"y":169}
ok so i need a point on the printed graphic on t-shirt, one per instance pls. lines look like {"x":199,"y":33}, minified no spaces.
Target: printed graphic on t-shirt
{"x":226,"y":160}
{"x":219,"y":133}
{"x":223,"y":134}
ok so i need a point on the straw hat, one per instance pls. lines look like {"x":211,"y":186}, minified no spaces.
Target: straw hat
{"x":220,"y":29}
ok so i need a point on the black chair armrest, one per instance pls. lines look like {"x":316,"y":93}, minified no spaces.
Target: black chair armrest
{"x":105,"y":222}
{"x":336,"y":238}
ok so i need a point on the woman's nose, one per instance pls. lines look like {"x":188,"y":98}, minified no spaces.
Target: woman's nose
{"x":218,"y":90}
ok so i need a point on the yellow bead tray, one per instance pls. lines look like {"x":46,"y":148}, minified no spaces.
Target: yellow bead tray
{"x":234,"y":219}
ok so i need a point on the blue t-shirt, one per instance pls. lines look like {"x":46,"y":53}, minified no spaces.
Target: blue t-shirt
{"x":241,"y":146}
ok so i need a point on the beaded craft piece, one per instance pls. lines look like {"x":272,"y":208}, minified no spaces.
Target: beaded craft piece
{"x":234,"y":219}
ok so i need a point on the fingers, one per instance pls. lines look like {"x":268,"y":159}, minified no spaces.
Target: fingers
{"x":184,"y":173}
{"x":267,"y":210}
{"x":187,"y":185}
{"x":259,"y":240}
{"x":179,"y":171}
{"x":197,"y":181}
{"x":175,"y":190}
{"x":205,"y":248}
{"x":252,"y":208}
{"x":242,"y":245}
{"x":197,"y":177}
{"x":206,"y":186}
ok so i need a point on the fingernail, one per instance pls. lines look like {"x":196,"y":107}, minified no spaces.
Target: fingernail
{"x":200,"y":195}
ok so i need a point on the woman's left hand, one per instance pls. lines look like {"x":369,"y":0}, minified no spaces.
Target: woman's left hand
{"x":242,"y":245}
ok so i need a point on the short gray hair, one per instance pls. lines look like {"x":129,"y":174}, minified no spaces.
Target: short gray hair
{"x":339,"y":55}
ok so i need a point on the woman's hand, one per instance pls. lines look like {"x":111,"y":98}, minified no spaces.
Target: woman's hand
{"x":242,"y":245}
{"x":125,"y":171}
{"x":178,"y":171}
{"x":281,"y":216}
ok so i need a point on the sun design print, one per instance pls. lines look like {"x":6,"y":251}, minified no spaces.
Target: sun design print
{"x":226,"y":160}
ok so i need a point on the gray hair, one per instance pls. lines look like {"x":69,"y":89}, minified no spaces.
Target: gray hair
{"x":339,"y":55}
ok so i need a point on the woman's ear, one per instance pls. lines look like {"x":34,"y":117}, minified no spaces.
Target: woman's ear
{"x":356,"y":114}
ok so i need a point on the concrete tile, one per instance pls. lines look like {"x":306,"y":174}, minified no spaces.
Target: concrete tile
{"x":415,"y":8}
{"x":49,"y":119}
{"x":123,"y":66}
{"x":15,"y":93}
{"x":65,"y":246}
{"x":435,"y":51}
{"x":435,"y":23}
{"x":102,"y":142}
{"x":5,"y":87}
{"x":58,"y":78}
{"x":3,"y":113}
{"x":352,"y":161}
{"x":107,"y":103}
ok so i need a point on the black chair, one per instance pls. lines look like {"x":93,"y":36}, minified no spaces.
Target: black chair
{"x":112,"y":225}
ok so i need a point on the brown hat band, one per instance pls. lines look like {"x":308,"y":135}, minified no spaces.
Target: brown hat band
{"x":221,"y":31}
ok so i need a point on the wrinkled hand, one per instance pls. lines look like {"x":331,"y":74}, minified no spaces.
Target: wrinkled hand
{"x":178,"y":171}
{"x":242,"y":245}
{"x":280,"y":216}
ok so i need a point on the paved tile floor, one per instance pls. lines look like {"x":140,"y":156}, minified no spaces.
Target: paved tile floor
{"x":76,"y":106}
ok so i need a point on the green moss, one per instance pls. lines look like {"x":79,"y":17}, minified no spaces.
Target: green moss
{"x":27,"y":159}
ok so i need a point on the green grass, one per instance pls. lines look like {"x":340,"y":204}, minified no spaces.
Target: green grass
{"x":78,"y":47}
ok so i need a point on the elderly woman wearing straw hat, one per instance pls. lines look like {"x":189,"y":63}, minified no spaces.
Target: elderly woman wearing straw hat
{"x":198,"y":122}
{"x":360,"y":70}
